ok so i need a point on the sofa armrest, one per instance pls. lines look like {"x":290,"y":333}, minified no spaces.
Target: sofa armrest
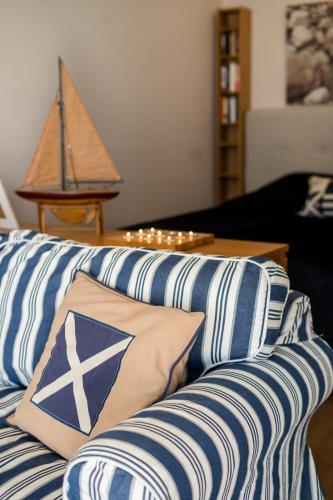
{"x":239,"y":431}
{"x":296,"y":323}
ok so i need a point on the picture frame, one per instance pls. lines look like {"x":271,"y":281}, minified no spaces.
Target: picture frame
{"x":309,"y":47}
{"x":7,"y":216}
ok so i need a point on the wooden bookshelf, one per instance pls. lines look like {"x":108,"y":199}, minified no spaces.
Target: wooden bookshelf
{"x":232,"y":99}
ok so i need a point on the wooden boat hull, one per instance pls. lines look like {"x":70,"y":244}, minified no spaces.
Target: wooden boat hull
{"x":70,"y":196}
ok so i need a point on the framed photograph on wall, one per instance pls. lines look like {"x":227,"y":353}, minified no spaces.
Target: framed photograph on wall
{"x":7,"y":216}
{"x":309,"y":43}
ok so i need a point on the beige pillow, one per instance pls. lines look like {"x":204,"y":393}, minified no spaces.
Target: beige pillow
{"x":107,"y":357}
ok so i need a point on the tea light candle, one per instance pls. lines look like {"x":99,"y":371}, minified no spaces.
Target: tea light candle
{"x":159,"y":233}
{"x":148,"y":237}
{"x":140,"y":231}
{"x":191,"y":234}
{"x":152,"y":230}
{"x":180,"y":235}
{"x":169,"y":240}
{"x":128,"y":235}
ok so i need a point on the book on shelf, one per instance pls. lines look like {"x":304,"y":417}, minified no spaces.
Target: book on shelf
{"x":224,"y":77}
{"x":230,"y":77}
{"x":229,"y":109}
{"x":234,"y":77}
{"x":224,"y":110}
{"x":233,"y":109}
{"x":230,"y":43}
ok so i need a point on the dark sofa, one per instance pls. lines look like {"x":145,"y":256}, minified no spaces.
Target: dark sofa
{"x":270,"y":214}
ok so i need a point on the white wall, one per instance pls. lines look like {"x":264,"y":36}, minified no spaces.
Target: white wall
{"x":268,"y":49}
{"x":144,"y":69}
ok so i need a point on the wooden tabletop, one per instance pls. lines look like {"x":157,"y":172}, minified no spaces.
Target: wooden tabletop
{"x":221,"y":246}
{"x":241,"y":248}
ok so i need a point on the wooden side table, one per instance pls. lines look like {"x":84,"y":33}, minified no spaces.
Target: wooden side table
{"x":243,"y":248}
{"x":230,"y":248}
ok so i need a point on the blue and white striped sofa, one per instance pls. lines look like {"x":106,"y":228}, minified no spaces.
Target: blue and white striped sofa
{"x":237,"y":430}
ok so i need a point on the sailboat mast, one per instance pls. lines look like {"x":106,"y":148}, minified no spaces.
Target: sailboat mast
{"x":62,"y":129}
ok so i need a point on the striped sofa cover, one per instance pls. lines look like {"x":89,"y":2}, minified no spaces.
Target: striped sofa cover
{"x":237,"y":431}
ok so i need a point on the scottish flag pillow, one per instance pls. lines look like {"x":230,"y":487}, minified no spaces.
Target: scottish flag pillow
{"x":107,"y":357}
{"x":319,"y":202}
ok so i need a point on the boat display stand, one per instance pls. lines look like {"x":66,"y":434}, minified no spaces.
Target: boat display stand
{"x":75,"y":208}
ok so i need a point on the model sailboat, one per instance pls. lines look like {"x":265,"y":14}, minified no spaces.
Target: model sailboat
{"x":71,"y":172}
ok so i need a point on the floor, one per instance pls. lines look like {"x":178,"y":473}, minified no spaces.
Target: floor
{"x":321,"y":442}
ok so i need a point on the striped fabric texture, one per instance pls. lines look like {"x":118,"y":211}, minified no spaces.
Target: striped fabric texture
{"x":3,"y":238}
{"x":297,"y":324}
{"x":239,"y":432}
{"x":243,"y":299}
{"x":27,"y":468}
{"x":327,"y":201}
{"x":319,"y":202}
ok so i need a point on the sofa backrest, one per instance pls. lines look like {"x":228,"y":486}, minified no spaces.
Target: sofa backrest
{"x":242,"y":299}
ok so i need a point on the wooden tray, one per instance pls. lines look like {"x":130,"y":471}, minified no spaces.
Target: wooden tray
{"x":160,"y":239}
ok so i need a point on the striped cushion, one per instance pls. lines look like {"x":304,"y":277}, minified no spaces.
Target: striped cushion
{"x":327,"y":201}
{"x":237,"y":433}
{"x":3,"y":237}
{"x":27,"y":468}
{"x":319,"y":202}
{"x":242,"y":298}
{"x":296,"y":324}
{"x":9,"y":399}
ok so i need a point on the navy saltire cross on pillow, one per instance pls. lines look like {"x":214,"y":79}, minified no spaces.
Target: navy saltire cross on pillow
{"x":81,"y":371}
